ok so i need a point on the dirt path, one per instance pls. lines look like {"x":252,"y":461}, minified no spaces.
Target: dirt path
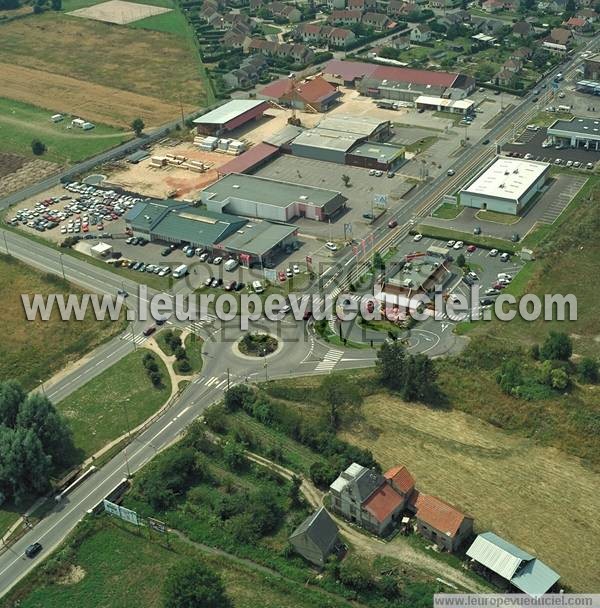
{"x":374,"y":546}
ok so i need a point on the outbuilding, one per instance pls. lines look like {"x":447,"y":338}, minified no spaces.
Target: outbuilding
{"x":230,"y":116}
{"x":316,"y":538}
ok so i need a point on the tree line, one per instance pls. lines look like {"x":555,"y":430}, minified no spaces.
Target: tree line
{"x":35,"y":441}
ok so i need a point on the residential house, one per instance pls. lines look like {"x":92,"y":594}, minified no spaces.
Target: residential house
{"x":395,"y":8}
{"x":558,"y":40}
{"x":589,"y":14}
{"x":233,"y":40}
{"x":316,"y":538}
{"x":344,"y":17}
{"x":248,"y":74}
{"x":361,"y":5}
{"x":440,"y":522}
{"x":309,"y":32}
{"x":256,"y":5}
{"x":336,"y":4}
{"x":459,"y":17}
{"x":365,"y":497}
{"x":378,"y":21}
{"x":522,"y":29}
{"x":523,"y":53}
{"x":402,"y":43}
{"x":578,"y":24}
{"x":506,"y":78}
{"x":513,"y":65}
{"x":340,"y":38}
{"x":485,"y":25}
{"x":445,"y":4}
{"x":285,"y":12}
{"x":420,"y":33}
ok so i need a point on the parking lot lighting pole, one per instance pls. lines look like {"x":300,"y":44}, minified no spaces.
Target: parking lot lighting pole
{"x":5,"y":242}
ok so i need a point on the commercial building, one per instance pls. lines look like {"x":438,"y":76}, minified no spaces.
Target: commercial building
{"x":335,"y":136}
{"x":252,"y":159}
{"x":373,"y":155}
{"x":506,"y":561}
{"x":506,"y":185}
{"x":230,"y":116}
{"x":441,"y":104}
{"x":260,"y":197}
{"x":576,"y":133}
{"x":397,"y":83}
{"x":174,"y":222}
{"x":591,"y":87}
{"x":316,"y":95}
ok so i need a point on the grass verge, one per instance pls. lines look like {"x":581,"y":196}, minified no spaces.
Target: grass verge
{"x":447,"y":211}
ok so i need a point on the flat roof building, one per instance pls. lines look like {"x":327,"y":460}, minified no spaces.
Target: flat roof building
{"x":506,"y":185}
{"x":441,"y":104}
{"x":230,"y":116}
{"x":261,"y":197}
{"x":374,"y":155}
{"x":576,"y":133}
{"x":174,"y":222}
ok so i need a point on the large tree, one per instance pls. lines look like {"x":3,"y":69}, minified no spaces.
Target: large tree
{"x":556,"y":347}
{"x":11,"y":397}
{"x":391,"y":359}
{"x":338,"y":395}
{"x":192,"y":584}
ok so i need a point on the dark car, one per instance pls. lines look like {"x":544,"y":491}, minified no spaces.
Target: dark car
{"x":392,"y":223}
{"x":486,"y":141}
{"x":33,"y":550}
{"x":240,"y":286}
{"x":368,"y":216}
{"x":149,"y":330}
{"x":467,"y":280}
{"x":165,"y":252}
{"x":486,"y":302}
{"x":231,"y":286}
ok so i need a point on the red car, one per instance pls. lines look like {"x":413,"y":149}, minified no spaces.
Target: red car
{"x":498,"y":285}
{"x":100,"y":227}
{"x":85,"y":228}
{"x":392,"y":223}
{"x":281,"y":276}
{"x":471,"y":248}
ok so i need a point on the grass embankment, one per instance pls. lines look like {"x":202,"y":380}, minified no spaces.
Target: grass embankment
{"x":498,"y":218}
{"x":20,"y":123}
{"x":421,"y":144}
{"x":109,"y":563}
{"x":475,"y":239}
{"x":32,"y":351}
{"x":117,"y":400}
{"x":510,"y":483}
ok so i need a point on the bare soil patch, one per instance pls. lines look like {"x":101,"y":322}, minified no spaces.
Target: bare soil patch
{"x":117,"y":11}
{"x":17,"y":172}
{"x":73,"y":575}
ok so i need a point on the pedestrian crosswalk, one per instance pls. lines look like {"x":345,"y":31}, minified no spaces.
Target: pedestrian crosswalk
{"x":196,"y":326}
{"x":212,"y":382}
{"x":136,"y":339}
{"x":330,"y":360}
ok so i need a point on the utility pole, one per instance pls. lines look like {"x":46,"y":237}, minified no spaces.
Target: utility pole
{"x":133,"y":338}
{"x":228,"y":382}
{"x":62,"y":265}
{"x":43,"y":388}
{"x":5,"y":242}
{"x":128,"y":436}
{"x":266,"y":365}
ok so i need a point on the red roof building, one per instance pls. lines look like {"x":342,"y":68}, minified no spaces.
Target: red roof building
{"x":401,"y":480}
{"x":441,"y":522}
{"x":313,"y":95}
{"x":384,"y":505}
{"x":251,"y":159}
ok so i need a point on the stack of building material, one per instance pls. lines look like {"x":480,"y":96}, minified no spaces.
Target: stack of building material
{"x":236,"y":147}
{"x":223,"y":145}
{"x":194,"y":165}
{"x":176,"y":160}
{"x":206,"y":143}
{"x":158,"y":161}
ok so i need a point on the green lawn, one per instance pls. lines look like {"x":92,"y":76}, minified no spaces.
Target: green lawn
{"x":20,"y":123}
{"x":73,"y":5}
{"x":193,"y":347}
{"x":120,"y":397}
{"x":122,"y":568}
{"x":482,"y":241}
{"x":498,"y":218}
{"x":421,"y":144}
{"x":447,"y":211}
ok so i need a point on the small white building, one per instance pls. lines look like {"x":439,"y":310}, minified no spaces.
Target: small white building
{"x":505,"y":186}
{"x":78,"y":122}
{"x":441,"y":104}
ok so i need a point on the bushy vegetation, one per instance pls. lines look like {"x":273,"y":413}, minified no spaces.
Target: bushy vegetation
{"x":153,"y":370}
{"x":34,"y":442}
{"x":318,"y":434}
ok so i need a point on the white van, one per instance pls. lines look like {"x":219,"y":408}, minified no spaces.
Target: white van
{"x":504,"y":276}
{"x":180,"y":271}
{"x":257,"y":286}
{"x":231,"y":265}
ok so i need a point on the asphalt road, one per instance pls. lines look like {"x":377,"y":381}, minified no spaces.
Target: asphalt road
{"x":303,"y":355}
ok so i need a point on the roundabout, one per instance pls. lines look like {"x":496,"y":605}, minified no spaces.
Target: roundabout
{"x":257,"y":345}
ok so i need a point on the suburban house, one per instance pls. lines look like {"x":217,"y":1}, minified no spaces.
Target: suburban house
{"x":309,"y":32}
{"x":233,"y":40}
{"x":285,"y":12}
{"x":589,"y":14}
{"x":344,"y":17}
{"x":401,"y":43}
{"x":316,"y":538}
{"x":558,"y":40}
{"x":248,"y":74}
{"x":579,"y":24}
{"x":366,"y":498}
{"x":398,"y":8}
{"x":377,"y":21}
{"x":315,"y":95}
{"x":505,"y":78}
{"x":440,"y":522}
{"x":504,"y":561}
{"x":522,"y":29}
{"x":340,"y":38}
{"x":513,"y":65}
{"x":420,"y":33}
{"x":361,"y":5}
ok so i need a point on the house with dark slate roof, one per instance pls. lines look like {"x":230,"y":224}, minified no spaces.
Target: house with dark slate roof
{"x":316,"y":538}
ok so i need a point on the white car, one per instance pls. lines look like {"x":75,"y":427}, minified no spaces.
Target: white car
{"x":217,"y":260}
{"x":372,"y":172}
{"x":450,"y":172}
{"x":493,"y":253}
{"x":289,"y":273}
{"x":450,"y":243}
{"x":331,"y":246}
{"x":417,"y":237}
{"x":296,"y":269}
{"x":458,"y":245}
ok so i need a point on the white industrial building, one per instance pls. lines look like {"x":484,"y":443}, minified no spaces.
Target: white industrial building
{"x":506,"y":185}
{"x":441,"y":104}
{"x":576,"y":133}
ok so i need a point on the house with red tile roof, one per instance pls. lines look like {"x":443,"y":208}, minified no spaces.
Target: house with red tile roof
{"x":401,"y":480}
{"x":313,"y":95}
{"x":440,"y":522}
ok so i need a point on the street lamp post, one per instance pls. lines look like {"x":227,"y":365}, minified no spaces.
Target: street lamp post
{"x":128,"y":436}
{"x":5,"y":242}
{"x":62,"y":266}
{"x":133,"y":337}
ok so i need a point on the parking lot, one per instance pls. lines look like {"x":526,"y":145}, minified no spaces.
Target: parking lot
{"x":530,"y":142}
{"x":362,"y":188}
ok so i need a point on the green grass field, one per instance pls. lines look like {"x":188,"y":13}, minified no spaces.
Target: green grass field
{"x":447,"y":211}
{"x":119,"y":398}
{"x":20,"y":123}
{"x":32,"y":351}
{"x":114,"y":565}
{"x":193,"y":347}
{"x":499,"y":218}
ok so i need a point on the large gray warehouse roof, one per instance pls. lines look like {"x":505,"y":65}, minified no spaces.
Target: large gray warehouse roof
{"x":328,"y":140}
{"x":268,"y":191}
{"x":258,"y":237}
{"x":356,"y":125}
{"x":228,"y":111}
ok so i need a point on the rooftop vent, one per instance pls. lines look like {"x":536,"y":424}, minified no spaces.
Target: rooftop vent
{"x":303,"y":197}
{"x":235,"y":186}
